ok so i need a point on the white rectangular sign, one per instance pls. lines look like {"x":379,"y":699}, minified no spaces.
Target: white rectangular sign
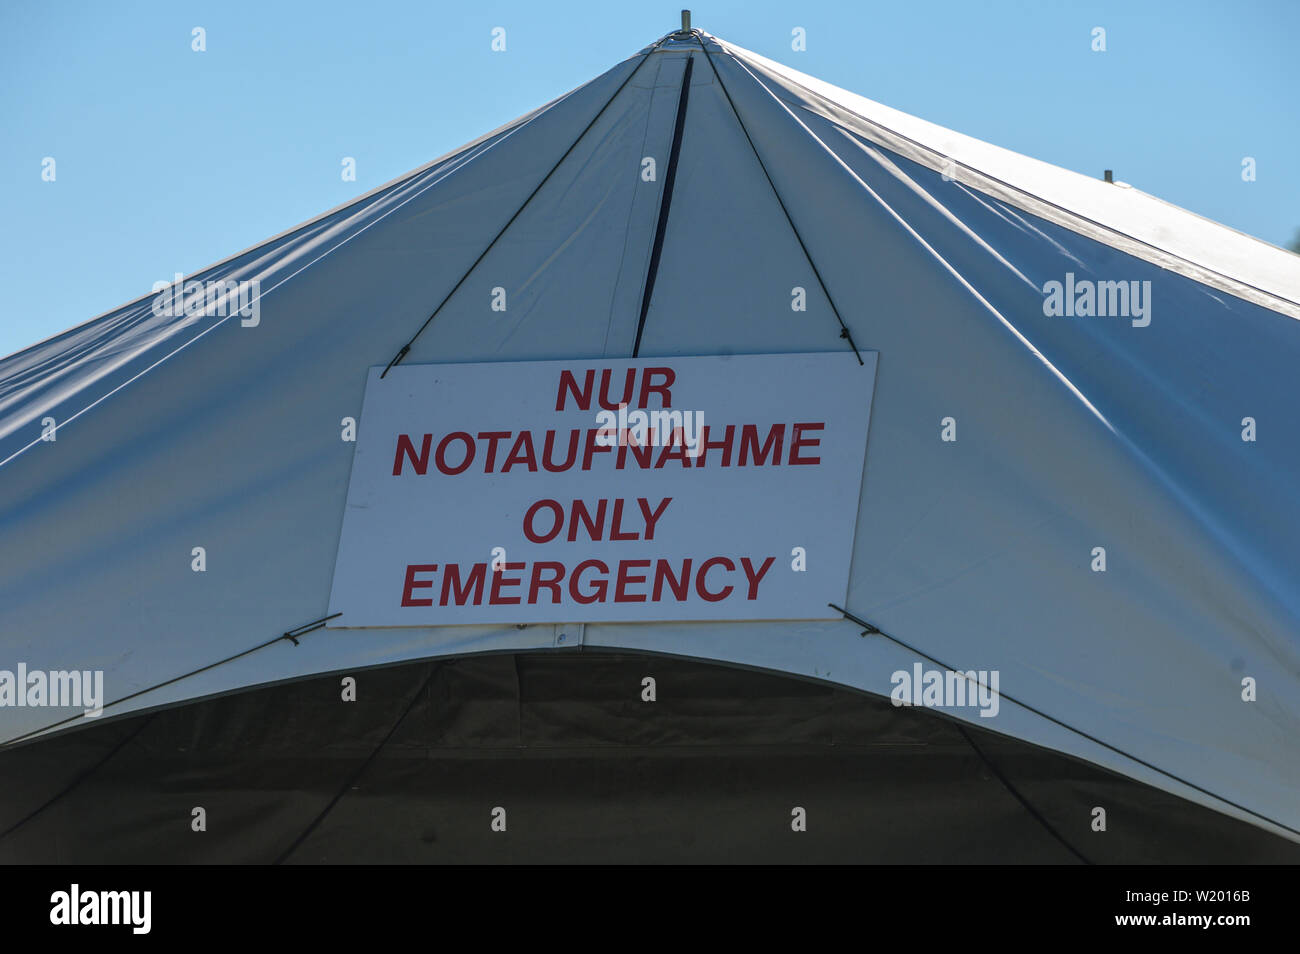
{"x":684,"y":488}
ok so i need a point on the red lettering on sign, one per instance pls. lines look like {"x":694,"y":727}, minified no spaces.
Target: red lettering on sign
{"x":749,"y":442}
{"x":629,"y":385}
{"x":648,"y":387}
{"x":797,"y":442}
{"x":643,"y":452}
{"x":652,"y":517}
{"x":569,"y":388}
{"x":723,"y":445}
{"x":548,"y":453}
{"x":499,"y":579}
{"x":624,"y":578}
{"x":451,"y":584}
{"x":522,"y":453}
{"x":616,"y":525}
{"x":530,"y":531}
{"x":679,"y":585}
{"x":413,"y":584}
{"x":591,"y":448}
{"x":703,"y":590}
{"x":598,"y":586}
{"x":553,"y":584}
{"x":674,"y":451}
{"x":755,"y":579}
{"x":595,"y":528}
{"x":583,"y":397}
{"x":405,"y":447}
{"x":492,"y":437}
{"x":440,"y":456}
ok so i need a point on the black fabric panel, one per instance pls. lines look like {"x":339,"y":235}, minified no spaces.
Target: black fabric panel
{"x":32,"y":775}
{"x":586,"y":771}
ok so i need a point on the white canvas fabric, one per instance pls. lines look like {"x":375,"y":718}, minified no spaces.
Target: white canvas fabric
{"x":1073,"y":433}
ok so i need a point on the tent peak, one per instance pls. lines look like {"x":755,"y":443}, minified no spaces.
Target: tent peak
{"x":678,"y":40}
{"x":674,"y":39}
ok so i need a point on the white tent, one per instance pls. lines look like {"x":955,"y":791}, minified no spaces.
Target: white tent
{"x":933,"y":250}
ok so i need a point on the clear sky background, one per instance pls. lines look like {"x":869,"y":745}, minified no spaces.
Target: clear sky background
{"x":169,"y":160}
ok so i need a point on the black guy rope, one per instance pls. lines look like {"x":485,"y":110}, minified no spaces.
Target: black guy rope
{"x":292,"y":635}
{"x":844,"y":329}
{"x":361,"y":770}
{"x":1015,"y":793}
{"x":869,"y":630}
{"x":67,"y":789}
{"x":546,"y":178}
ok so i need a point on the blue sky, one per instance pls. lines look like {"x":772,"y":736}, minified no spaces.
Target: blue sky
{"x":168,"y":159}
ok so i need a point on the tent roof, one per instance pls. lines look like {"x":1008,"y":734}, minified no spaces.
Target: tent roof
{"x":1117,"y":214}
{"x":176,"y":432}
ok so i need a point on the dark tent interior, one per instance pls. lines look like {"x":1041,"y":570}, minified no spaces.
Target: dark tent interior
{"x":585,"y":770}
